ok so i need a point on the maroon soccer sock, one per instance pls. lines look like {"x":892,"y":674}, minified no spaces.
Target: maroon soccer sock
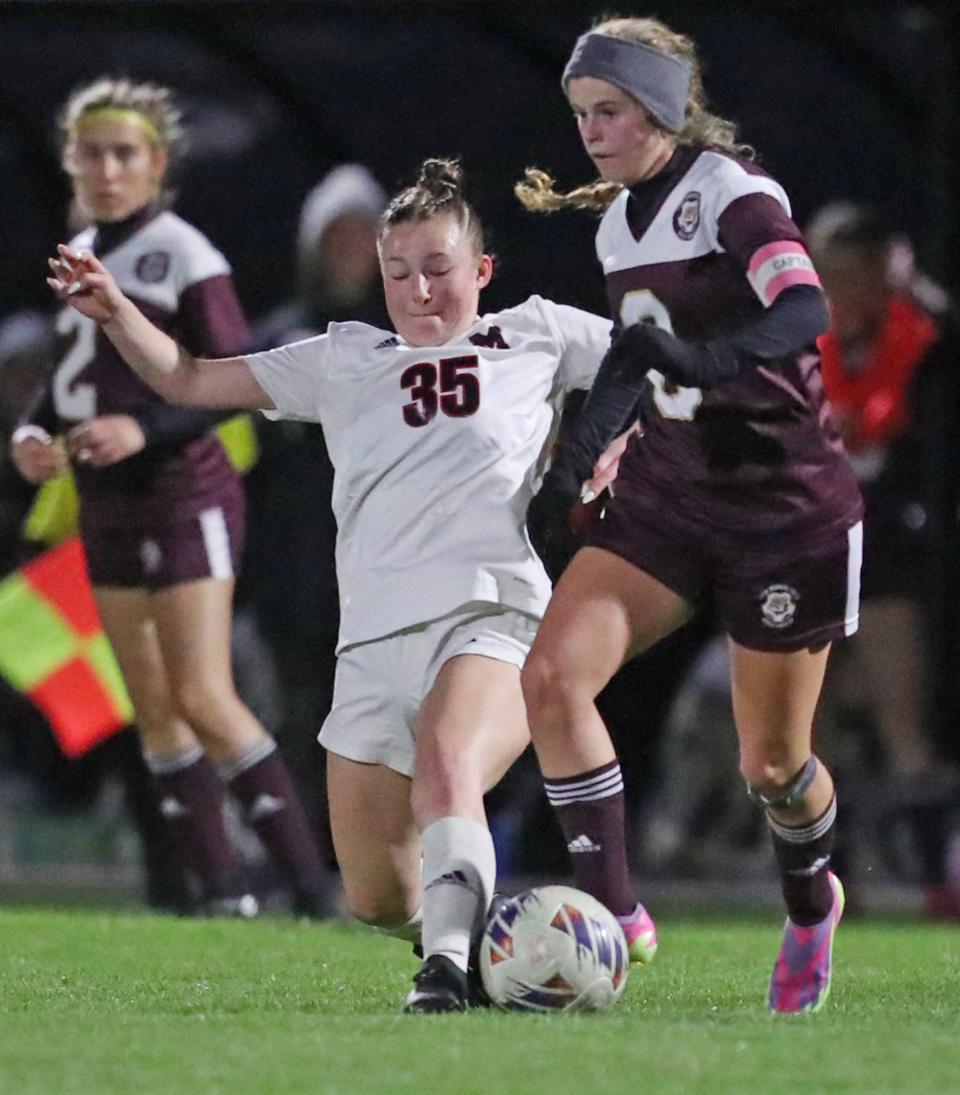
{"x":589,"y":807}
{"x":191,"y":802}
{"x":803,"y":856}
{"x":262,"y":785}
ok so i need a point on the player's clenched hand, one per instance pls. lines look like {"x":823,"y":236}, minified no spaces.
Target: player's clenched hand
{"x":81,"y":280}
{"x":607,"y":465}
{"x":644,"y":346}
{"x":37,"y":461}
{"x":105,"y":440}
{"x":691,"y":364}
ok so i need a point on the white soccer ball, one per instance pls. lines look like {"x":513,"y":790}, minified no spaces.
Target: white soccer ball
{"x":554,"y":948}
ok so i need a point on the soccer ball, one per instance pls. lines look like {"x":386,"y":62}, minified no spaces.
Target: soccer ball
{"x":554,"y":948}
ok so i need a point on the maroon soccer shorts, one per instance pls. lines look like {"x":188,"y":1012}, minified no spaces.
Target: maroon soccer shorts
{"x":777,"y":594}
{"x":206,"y":546}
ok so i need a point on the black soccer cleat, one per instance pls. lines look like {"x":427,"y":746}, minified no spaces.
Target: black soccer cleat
{"x":439,"y":986}
{"x":476,"y":994}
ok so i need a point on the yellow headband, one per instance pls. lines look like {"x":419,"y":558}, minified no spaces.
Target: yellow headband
{"x":119,"y":114}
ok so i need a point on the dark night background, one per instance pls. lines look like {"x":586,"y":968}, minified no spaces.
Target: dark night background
{"x":841,"y":99}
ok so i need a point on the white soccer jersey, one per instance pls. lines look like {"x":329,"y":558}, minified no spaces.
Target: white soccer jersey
{"x":436,"y":453}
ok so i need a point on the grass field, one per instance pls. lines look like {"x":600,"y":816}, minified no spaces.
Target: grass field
{"x":98,"y":1003}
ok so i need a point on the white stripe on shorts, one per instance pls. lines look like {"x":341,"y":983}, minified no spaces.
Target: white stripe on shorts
{"x":216,"y":542}
{"x":851,"y":617}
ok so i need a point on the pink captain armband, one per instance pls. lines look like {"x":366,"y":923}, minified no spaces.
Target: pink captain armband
{"x":30,"y":433}
{"x":777,"y":266}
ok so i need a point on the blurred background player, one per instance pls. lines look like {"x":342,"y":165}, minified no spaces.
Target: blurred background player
{"x":337,"y":274}
{"x":43,"y":778}
{"x":161,"y":508}
{"x":891,"y":370}
{"x":289,"y":576}
{"x":437,"y":434}
{"x":27,"y":353}
{"x":733,"y":492}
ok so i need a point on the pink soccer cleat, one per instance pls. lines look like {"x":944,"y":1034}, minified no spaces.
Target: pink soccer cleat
{"x":641,"y":933}
{"x":801,"y":977}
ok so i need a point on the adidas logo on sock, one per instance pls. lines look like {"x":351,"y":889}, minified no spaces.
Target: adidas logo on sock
{"x":582,"y":843}
{"x":815,"y":866}
{"x":171,"y":808}
{"x":451,"y":878}
{"x":265,"y":806}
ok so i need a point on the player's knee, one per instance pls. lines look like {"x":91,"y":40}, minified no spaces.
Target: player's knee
{"x":546,"y":684}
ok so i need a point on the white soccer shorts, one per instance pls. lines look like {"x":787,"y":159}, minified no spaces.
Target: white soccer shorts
{"x":380,"y":685}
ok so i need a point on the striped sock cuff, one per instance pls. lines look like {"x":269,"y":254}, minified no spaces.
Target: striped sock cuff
{"x":230,"y":769}
{"x":164,"y":764}
{"x":805,"y":834}
{"x":585,"y":787}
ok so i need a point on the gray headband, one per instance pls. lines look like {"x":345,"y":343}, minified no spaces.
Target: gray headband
{"x":660,"y":81}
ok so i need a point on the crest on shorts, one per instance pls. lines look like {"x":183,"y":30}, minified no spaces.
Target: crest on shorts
{"x":778,"y":605}
{"x":153,"y":266}
{"x":686,"y":219}
{"x":151,"y":556}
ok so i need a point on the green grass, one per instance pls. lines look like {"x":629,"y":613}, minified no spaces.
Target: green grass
{"x":115,"y":1002}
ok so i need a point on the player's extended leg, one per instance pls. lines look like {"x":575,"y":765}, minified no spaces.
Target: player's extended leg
{"x":470,"y":728}
{"x":190,"y":792}
{"x":377,"y":844}
{"x":774,"y":699}
{"x":194,"y":622}
{"x":602,"y":609}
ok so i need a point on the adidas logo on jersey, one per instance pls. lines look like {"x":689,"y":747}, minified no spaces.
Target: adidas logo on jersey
{"x":387,"y":343}
{"x":582,"y":843}
{"x":265,"y":806}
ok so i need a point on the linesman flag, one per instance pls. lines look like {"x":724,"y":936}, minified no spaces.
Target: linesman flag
{"x":54,"y":650}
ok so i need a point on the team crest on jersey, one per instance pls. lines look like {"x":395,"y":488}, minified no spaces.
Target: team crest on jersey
{"x":778,"y":605}
{"x":153,"y":266}
{"x":686,"y":219}
{"x":493,"y":339}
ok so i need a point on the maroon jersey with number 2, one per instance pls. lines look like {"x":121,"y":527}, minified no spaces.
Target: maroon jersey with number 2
{"x":173,"y":511}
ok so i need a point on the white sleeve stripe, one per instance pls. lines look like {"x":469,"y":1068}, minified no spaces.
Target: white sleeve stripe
{"x":738,"y":183}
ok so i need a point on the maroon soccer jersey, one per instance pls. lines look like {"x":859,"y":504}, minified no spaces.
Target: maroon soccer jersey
{"x":701,"y":250}
{"x":177,"y":278}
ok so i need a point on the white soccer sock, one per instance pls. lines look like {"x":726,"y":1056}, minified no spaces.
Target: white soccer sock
{"x":459,"y":871}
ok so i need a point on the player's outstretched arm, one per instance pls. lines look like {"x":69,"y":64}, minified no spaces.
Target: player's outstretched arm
{"x":83,"y":282}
